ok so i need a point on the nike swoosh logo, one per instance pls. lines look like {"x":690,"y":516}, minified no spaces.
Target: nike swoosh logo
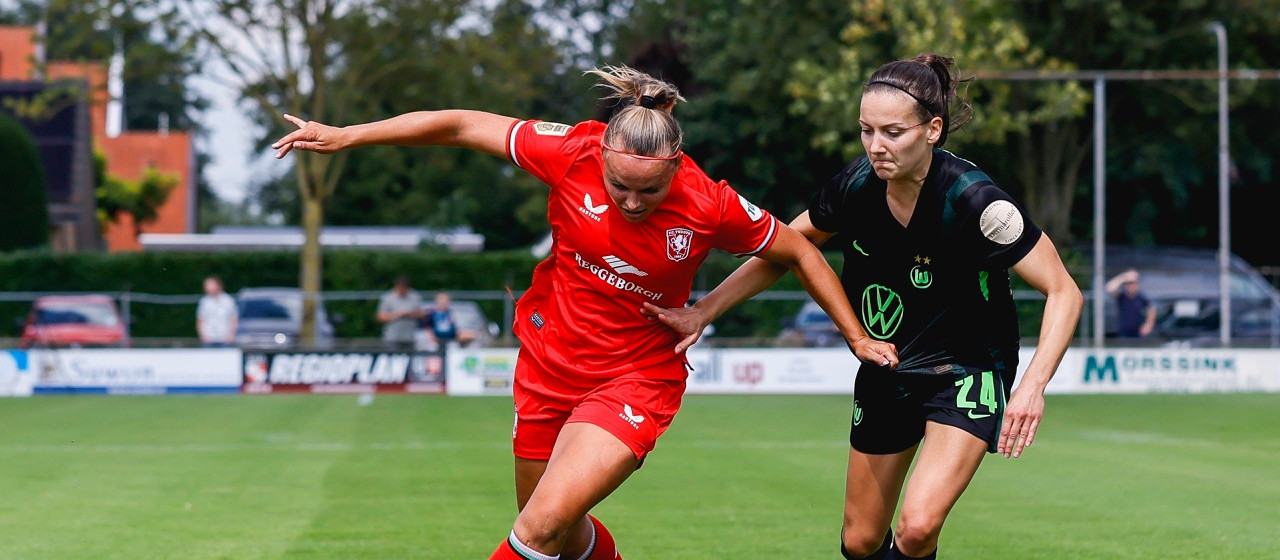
{"x":978,"y":417}
{"x":859,"y":249}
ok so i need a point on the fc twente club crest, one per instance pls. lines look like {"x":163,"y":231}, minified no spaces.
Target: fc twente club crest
{"x":678,"y":242}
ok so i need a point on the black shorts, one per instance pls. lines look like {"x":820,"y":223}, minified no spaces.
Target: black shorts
{"x":890,"y":409}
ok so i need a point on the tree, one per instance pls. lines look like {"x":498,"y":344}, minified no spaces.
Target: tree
{"x":24,"y":206}
{"x":507,"y":66}
{"x":980,"y":34}
{"x":281,"y":54}
{"x":740,"y":59}
{"x":733,"y":62}
{"x":332,"y":60}
{"x":140,"y":199}
{"x":1162,"y":136}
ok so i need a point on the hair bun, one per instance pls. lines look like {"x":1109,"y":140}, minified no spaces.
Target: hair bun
{"x":648,"y":101}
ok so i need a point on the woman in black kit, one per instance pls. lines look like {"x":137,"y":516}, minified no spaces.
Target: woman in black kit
{"x":928,"y":241}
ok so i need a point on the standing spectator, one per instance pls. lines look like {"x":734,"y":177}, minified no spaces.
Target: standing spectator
{"x":399,"y":311}
{"x":1137,"y":315}
{"x":216,"y":315}
{"x":440,"y":327}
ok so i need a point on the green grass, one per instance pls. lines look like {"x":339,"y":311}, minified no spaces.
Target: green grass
{"x":317,"y":477}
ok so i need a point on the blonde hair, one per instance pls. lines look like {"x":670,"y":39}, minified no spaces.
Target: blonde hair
{"x":644,"y":126}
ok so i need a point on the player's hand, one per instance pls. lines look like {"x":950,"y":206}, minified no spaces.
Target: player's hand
{"x":1021,"y":419}
{"x":311,"y":136}
{"x":687,"y":321}
{"x":876,"y":352}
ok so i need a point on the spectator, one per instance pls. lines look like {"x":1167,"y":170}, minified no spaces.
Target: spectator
{"x":399,"y":311}
{"x":216,"y":315}
{"x":439,"y":326}
{"x":1137,"y":315}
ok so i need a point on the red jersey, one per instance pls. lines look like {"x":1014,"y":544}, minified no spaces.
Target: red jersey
{"x":582,"y":312}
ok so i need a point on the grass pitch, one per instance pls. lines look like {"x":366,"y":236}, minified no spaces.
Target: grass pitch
{"x":414,"y":477}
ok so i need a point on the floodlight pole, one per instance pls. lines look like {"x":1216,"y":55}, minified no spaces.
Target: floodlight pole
{"x":1224,"y":191}
{"x":1099,"y":206}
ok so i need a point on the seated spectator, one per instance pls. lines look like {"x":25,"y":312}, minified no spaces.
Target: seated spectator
{"x":439,"y":327}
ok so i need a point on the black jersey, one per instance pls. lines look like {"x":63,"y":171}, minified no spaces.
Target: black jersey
{"x":939,"y":288}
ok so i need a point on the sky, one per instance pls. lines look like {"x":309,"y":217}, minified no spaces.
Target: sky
{"x":235,"y":165}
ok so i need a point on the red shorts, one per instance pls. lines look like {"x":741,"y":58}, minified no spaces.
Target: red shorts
{"x":636,"y":407}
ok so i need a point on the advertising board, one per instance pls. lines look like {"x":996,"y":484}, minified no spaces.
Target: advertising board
{"x":343,"y":372}
{"x":133,"y":371}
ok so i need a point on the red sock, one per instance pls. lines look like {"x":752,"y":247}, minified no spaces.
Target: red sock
{"x":505,"y":552}
{"x":605,"y":548}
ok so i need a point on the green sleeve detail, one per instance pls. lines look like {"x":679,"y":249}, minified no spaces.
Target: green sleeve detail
{"x":859,"y":177}
{"x":958,"y":187}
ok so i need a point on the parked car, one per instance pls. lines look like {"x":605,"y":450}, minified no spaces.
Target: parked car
{"x":271,"y":318}
{"x":74,"y":321}
{"x":467,"y":316}
{"x":1182,"y":284}
{"x":810,"y":327}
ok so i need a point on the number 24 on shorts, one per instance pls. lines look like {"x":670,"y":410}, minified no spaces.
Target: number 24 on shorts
{"x":986,"y":395}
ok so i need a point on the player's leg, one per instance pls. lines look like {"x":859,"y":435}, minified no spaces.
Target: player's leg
{"x":947,"y":461}
{"x":543,"y":405}
{"x":963,"y":423}
{"x":888,"y":422}
{"x":582,"y":536}
{"x":637,"y":409}
{"x":607,"y":435}
{"x":872,"y":485}
{"x":588,"y":463}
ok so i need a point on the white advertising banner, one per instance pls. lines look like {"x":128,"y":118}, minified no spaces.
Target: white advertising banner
{"x":16,"y":379}
{"x":1163,"y":370}
{"x":129,"y":371}
{"x":473,"y":372}
{"x":832,"y":371}
{"x":773,"y":371}
{"x":480,"y":371}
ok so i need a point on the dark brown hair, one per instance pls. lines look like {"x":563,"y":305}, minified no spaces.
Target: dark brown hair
{"x":931,"y":80}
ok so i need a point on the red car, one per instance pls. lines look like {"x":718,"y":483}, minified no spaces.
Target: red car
{"x":75,"y":321}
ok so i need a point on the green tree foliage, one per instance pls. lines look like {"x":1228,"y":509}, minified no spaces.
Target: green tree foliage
{"x":141,"y":199}
{"x":24,"y":209}
{"x":506,"y":65}
{"x":737,"y":123}
{"x":980,"y":34}
{"x":344,"y":61}
{"x":1162,"y":136}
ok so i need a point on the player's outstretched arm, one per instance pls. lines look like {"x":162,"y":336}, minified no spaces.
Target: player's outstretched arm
{"x":475,"y":130}
{"x":796,"y":248}
{"x":1044,"y":271}
{"x":753,"y":277}
{"x":798,"y":253}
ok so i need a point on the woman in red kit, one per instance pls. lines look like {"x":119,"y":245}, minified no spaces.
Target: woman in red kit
{"x":632,"y":218}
